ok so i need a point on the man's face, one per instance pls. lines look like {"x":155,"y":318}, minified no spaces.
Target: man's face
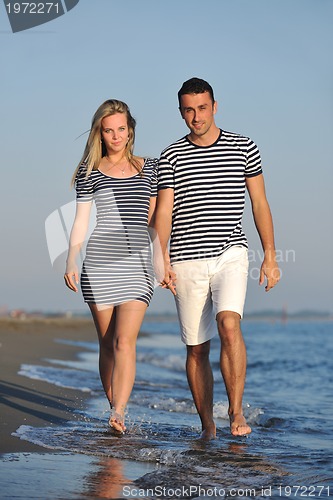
{"x":198,"y":111}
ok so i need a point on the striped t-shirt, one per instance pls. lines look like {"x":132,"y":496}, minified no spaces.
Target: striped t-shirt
{"x":209,"y":193}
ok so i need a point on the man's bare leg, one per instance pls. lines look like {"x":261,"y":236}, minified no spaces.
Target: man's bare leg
{"x":200,"y":380}
{"x":233,"y":368}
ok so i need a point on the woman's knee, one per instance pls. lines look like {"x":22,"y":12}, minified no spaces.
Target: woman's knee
{"x":106,"y":344}
{"x":124,"y":344}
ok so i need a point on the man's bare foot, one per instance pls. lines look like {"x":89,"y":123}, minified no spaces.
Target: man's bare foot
{"x":209,"y":433}
{"x":238,"y":425}
{"x":116,"y":422}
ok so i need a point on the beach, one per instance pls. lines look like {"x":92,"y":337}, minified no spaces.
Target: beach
{"x":25,"y":468}
{"x":34,"y":402}
{"x":55,"y":442}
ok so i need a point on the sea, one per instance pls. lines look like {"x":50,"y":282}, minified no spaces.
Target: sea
{"x":288,"y":401}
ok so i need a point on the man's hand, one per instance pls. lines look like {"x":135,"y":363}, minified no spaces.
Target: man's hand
{"x":271,"y":271}
{"x":169,"y":280}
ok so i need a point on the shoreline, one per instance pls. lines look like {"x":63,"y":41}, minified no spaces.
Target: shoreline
{"x":30,"y":470}
{"x":24,"y":401}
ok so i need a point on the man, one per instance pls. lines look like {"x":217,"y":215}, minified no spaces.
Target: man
{"x":202,"y":182}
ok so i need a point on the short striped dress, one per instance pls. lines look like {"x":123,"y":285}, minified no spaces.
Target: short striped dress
{"x":117,"y":267}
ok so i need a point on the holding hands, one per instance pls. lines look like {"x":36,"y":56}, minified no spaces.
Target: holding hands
{"x":164,"y":273}
{"x":169,"y":280}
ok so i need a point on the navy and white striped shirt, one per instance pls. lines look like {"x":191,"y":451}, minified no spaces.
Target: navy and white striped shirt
{"x":209,"y":193}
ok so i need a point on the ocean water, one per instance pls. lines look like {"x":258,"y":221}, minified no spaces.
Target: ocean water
{"x":288,"y":401}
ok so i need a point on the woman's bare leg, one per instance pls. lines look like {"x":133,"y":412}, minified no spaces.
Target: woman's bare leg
{"x":104,"y":319}
{"x":129,"y":318}
{"x":117,"y":329}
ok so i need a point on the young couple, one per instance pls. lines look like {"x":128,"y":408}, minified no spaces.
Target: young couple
{"x":193,"y":196}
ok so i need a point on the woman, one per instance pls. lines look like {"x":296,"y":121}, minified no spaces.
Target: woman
{"x":117,"y":277}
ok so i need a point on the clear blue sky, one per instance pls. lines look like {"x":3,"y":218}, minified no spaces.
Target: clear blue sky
{"x":270,"y":64}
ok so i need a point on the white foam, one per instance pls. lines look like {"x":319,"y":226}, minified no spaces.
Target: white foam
{"x":70,"y":379}
{"x":173,"y":362}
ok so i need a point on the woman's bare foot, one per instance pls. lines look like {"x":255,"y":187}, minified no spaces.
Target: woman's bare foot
{"x":116,"y":422}
{"x":238,"y":425}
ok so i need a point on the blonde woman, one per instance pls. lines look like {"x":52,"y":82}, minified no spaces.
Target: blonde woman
{"x":116,"y":279}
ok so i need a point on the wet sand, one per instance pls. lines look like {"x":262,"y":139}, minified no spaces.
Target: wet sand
{"x":29,"y":471}
{"x":33,"y":402}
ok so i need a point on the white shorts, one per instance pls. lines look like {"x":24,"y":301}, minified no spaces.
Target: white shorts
{"x":207,"y":287}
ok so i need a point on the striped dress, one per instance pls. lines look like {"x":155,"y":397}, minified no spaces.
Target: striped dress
{"x":117,"y":267}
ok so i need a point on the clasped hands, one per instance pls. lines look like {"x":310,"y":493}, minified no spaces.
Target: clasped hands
{"x":166,"y":277}
{"x":170,"y":284}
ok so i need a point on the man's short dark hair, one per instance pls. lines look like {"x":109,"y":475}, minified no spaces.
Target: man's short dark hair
{"x":195,"y":86}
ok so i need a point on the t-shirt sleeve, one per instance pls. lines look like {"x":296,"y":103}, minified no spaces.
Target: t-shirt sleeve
{"x":253,"y":160}
{"x":165,"y":173}
{"x":153,"y":181}
{"x":84,"y":187}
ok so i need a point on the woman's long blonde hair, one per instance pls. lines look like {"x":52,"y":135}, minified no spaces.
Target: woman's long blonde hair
{"x":95,"y":148}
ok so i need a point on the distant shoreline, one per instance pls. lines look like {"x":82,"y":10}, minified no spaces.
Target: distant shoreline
{"x":65,"y":318}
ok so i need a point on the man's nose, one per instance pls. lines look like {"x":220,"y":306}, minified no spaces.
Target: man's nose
{"x":196,"y":116}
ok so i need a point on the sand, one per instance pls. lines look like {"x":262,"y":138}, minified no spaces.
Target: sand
{"x":29,"y":471}
{"x":32,"y":402}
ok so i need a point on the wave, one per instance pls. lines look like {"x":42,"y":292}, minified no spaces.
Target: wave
{"x":180,"y":457}
{"x":173,"y":362}
{"x":66,"y":377}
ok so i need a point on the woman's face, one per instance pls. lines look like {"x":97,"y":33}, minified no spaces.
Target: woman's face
{"x":115,"y":132}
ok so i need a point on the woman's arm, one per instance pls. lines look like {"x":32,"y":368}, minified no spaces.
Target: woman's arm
{"x":163,"y":224}
{"x":77,"y":237}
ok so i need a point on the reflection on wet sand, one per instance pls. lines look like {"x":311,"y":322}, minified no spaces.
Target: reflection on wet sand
{"x":214,"y":463}
{"x":108,"y":481}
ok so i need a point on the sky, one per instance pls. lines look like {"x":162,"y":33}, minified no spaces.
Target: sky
{"x":270,"y":64}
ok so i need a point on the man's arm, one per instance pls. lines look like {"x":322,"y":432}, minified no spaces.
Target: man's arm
{"x":264,"y":224}
{"x":163,"y":225}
